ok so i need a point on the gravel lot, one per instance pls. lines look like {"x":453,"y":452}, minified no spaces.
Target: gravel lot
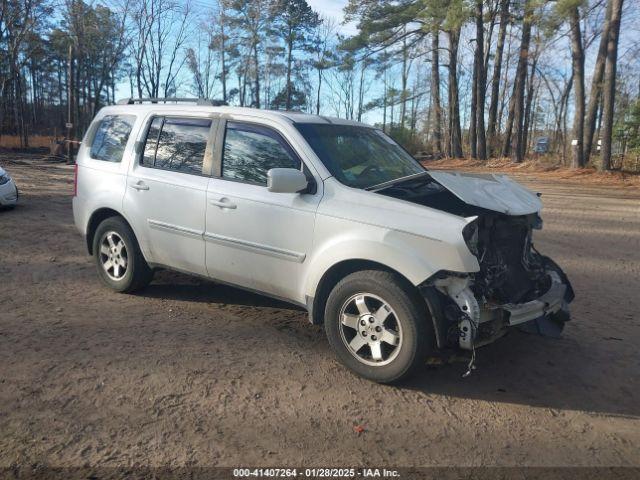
{"x":192,"y":373}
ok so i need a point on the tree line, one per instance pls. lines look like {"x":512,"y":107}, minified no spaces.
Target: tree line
{"x":480,"y":78}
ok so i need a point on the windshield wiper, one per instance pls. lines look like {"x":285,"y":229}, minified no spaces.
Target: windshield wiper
{"x":389,"y":183}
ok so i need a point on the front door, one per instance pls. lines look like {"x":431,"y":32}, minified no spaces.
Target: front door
{"x":256,"y":238}
{"x":166,"y":192}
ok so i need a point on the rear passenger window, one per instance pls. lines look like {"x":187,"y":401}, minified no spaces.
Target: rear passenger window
{"x":111,"y":137}
{"x":177,"y":144}
{"x":250,"y":151}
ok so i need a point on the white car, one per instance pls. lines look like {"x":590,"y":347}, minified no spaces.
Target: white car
{"x":8,"y":190}
{"x":396,"y":261}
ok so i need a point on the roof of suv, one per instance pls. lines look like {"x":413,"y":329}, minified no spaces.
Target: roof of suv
{"x":292,"y":117}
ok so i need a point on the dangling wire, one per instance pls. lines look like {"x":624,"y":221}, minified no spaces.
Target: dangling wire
{"x":471,"y":366}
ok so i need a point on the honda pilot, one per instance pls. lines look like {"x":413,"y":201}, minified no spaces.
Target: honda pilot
{"x":397,"y":262}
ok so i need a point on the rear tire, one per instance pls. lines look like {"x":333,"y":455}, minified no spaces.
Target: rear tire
{"x":119,"y":261}
{"x":378,"y":326}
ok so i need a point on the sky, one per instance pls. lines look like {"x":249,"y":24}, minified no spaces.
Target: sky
{"x":331,"y":8}
{"x":334,"y":9}
{"x":326,"y":8}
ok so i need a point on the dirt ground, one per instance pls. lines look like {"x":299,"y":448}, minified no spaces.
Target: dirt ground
{"x":192,"y":373}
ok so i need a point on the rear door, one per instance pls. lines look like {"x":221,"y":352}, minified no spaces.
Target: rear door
{"x":166,"y":190}
{"x":256,"y":238}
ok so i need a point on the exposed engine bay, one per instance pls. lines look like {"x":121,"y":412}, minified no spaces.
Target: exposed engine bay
{"x":515,"y":285}
{"x":511,"y":271}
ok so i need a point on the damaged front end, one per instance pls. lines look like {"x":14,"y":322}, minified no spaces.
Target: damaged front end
{"x":515,"y":285}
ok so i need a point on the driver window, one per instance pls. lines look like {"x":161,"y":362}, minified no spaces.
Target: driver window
{"x":250,"y":151}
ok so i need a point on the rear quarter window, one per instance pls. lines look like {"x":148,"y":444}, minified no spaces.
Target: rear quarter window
{"x":111,"y":137}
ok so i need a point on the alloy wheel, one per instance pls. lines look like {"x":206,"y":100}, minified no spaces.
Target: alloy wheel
{"x":113,"y":255}
{"x":370,"y":329}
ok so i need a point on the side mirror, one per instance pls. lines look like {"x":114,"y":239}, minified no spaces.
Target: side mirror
{"x":286,"y":180}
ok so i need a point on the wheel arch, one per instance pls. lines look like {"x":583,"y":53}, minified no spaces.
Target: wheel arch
{"x":336,"y":273}
{"x":97,"y":217}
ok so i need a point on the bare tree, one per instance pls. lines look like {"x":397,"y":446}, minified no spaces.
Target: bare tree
{"x":201,"y":62}
{"x":322,"y":55}
{"x":252,"y":19}
{"x":455,"y":132}
{"x":435,"y":89}
{"x":495,"y":81}
{"x":577,"y":57}
{"x":518,"y":138}
{"x":18,"y":21}
{"x":595,"y":95}
{"x":162,"y":29}
{"x":609,"y":90}
{"x":480,"y":83}
{"x":220,"y":30}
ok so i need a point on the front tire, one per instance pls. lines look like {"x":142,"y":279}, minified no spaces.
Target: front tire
{"x":119,"y":261}
{"x":378,"y":326}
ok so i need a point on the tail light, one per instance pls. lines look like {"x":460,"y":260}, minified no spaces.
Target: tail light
{"x":75,"y":180}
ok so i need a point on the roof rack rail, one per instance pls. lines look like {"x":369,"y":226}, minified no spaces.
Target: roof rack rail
{"x":197,"y":101}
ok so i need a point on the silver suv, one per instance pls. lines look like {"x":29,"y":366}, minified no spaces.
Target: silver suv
{"x":397,"y":262}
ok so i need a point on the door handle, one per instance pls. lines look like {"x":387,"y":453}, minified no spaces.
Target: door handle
{"x":140,"y":185}
{"x":223,"y":203}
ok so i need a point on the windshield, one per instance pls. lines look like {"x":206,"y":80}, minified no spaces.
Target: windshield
{"x":359,"y":157}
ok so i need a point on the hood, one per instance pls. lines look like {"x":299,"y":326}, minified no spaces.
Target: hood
{"x":387,"y":211}
{"x":490,"y":191}
{"x":465,"y":194}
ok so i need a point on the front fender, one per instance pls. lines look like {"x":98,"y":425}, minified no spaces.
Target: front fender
{"x":413,"y":256}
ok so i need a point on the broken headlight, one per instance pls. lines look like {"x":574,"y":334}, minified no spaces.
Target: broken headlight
{"x":470,"y":235}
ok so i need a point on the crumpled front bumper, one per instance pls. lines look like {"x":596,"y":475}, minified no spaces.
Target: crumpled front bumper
{"x":549,"y":303}
{"x":545,"y":315}
{"x":480,"y":323}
